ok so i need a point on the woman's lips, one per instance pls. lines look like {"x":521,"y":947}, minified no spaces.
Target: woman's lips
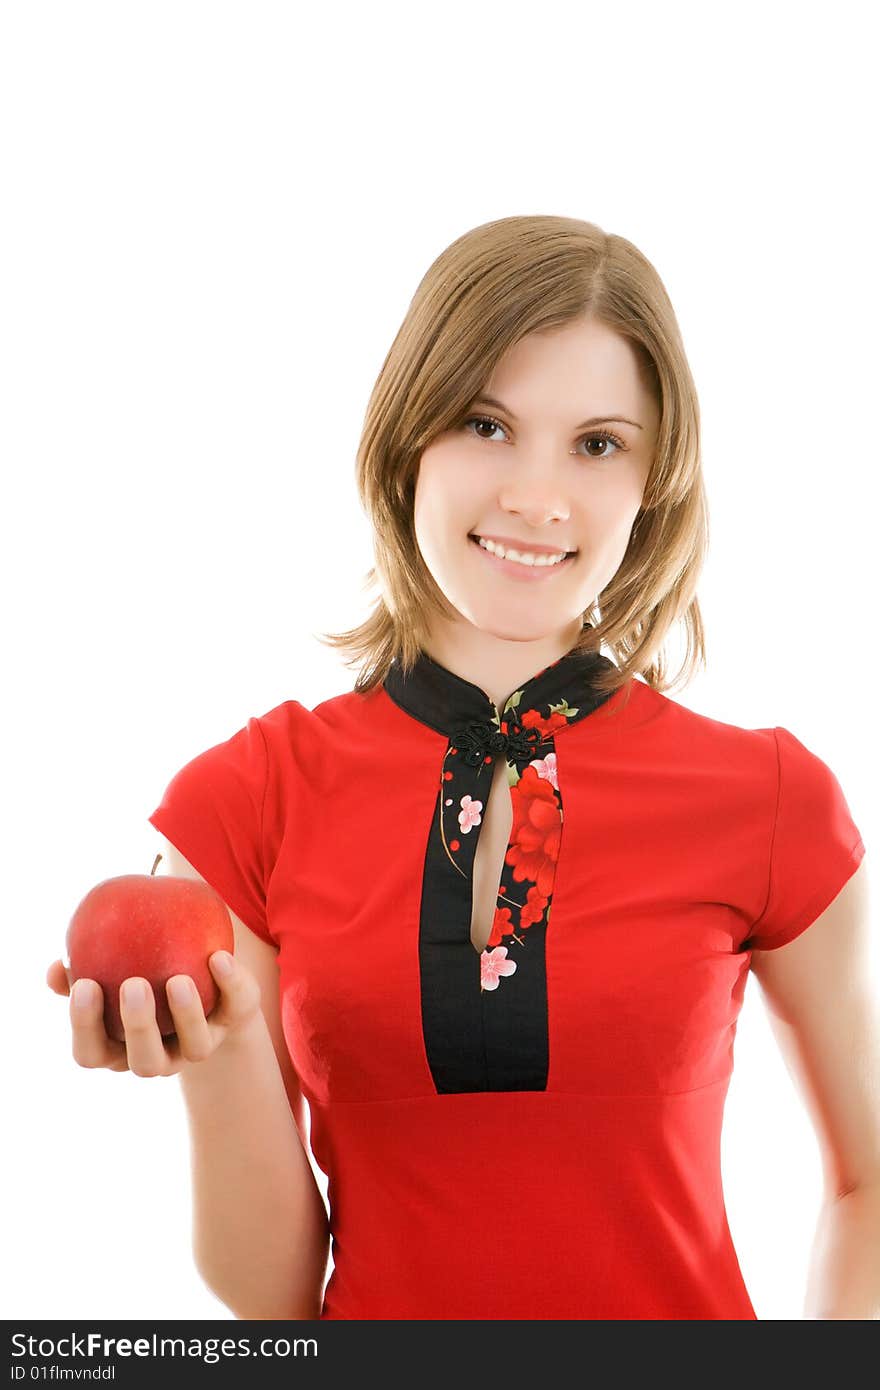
{"x":529,"y":574}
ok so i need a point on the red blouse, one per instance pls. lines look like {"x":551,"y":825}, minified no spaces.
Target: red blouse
{"x":532,"y":1131}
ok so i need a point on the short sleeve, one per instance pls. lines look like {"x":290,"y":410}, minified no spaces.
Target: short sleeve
{"x":816,"y":846}
{"x":212,"y":812}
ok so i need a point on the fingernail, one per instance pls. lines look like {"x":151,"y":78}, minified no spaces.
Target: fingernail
{"x":83,"y":994}
{"x":223,"y":963}
{"x":134,"y":992}
{"x":180,"y":991}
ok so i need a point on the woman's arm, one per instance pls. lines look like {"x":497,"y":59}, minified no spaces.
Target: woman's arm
{"x":845,"y":1263}
{"x":824,"y":1013}
{"x":260,"y":1231}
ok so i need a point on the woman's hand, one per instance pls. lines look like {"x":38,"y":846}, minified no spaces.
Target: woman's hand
{"x":145,"y":1052}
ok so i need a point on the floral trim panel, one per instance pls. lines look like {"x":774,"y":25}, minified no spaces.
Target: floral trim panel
{"x":529,"y":868}
{"x":484,"y":1014}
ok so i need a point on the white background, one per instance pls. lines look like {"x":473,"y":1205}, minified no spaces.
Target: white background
{"x":215,"y":216}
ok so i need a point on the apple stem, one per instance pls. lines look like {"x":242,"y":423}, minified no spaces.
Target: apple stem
{"x":155,"y":862}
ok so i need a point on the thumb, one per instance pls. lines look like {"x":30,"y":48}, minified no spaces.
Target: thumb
{"x":58,"y":978}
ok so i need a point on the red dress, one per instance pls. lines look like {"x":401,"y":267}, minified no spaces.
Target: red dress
{"x":532,"y":1131}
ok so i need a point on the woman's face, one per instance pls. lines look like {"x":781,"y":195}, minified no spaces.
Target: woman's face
{"x":540,"y":476}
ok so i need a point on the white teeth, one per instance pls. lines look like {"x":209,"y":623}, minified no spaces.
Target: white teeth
{"x":522,"y":557}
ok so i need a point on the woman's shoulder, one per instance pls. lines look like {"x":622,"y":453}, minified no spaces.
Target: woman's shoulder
{"x":692,"y":737}
{"x":293,"y":725}
{"x":769,"y":758}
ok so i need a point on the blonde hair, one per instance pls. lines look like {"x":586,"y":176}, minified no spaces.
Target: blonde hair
{"x":486,"y":291}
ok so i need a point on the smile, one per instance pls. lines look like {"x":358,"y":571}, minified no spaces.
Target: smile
{"x":518,"y":569}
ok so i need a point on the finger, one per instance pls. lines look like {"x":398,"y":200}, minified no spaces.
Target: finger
{"x":143,"y":1041}
{"x":91,"y":1046}
{"x":56,"y":978}
{"x":190,"y":1024}
{"x":240,"y":996}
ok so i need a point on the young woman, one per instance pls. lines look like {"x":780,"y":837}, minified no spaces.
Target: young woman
{"x":495,"y":908}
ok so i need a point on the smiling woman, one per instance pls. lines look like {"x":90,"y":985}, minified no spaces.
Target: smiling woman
{"x":513,"y":887}
{"x":536,"y":490}
{"x":592,"y":446}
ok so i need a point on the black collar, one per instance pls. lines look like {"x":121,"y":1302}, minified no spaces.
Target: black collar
{"x":468,"y":716}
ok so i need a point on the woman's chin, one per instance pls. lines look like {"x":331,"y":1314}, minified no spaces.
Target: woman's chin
{"x":510,"y":622}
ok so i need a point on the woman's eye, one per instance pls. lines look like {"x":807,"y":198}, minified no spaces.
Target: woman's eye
{"x":482,"y":420}
{"x":603,"y":437}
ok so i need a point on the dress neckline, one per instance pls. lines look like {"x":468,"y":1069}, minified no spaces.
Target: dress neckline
{"x":450,"y":705}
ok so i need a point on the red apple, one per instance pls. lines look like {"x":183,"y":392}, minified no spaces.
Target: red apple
{"x":154,"y":927}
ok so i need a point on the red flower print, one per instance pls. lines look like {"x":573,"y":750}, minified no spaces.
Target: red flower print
{"x":536,"y":833}
{"x":494,"y":964}
{"x":546,"y":767}
{"x":502,"y":925}
{"x":533,"y":910}
{"x":531,"y":719}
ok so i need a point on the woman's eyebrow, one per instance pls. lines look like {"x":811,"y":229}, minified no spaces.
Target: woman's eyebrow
{"x":585,"y":424}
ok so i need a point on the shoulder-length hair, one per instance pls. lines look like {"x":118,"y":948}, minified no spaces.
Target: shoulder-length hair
{"x":487,"y":290}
